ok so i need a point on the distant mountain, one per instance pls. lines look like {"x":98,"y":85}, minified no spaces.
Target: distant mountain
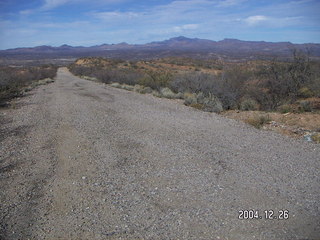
{"x":178,"y":46}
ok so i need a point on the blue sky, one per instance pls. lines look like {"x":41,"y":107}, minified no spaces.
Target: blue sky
{"x":82,"y":22}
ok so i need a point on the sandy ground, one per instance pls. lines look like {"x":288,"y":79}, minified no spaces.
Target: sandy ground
{"x":81,"y":160}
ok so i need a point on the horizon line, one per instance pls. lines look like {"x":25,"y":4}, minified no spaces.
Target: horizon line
{"x":158,"y":41}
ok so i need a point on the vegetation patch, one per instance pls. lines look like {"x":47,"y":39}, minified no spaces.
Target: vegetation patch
{"x":258,"y":121}
{"x":284,"y":86}
{"x":316,"y":137}
{"x":16,"y":80}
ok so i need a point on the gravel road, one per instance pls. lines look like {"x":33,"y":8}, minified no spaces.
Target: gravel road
{"x":82,"y":160}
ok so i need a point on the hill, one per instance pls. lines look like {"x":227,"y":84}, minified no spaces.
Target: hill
{"x":228,"y":49}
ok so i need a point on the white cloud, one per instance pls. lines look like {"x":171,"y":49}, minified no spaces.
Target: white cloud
{"x":112,"y":21}
{"x":272,"y":22}
{"x":111,"y":16}
{"x":254,"y":20}
{"x":227,"y":3}
{"x":26,"y":12}
{"x":50,"y":4}
{"x":185,"y":27}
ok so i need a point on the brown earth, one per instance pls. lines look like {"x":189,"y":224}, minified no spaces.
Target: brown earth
{"x":291,"y":124}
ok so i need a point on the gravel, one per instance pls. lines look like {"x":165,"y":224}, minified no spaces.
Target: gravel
{"x":82,"y":160}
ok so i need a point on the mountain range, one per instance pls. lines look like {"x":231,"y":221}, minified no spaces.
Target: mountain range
{"x":178,"y":46}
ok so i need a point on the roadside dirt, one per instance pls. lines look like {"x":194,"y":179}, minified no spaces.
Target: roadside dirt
{"x":81,"y":160}
{"x":295,"y":125}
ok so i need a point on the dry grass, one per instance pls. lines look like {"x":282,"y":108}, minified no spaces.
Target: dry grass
{"x":290,"y":124}
{"x":258,"y":121}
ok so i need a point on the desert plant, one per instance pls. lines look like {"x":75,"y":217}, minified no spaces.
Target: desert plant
{"x":14,"y":80}
{"x":116,"y":85}
{"x":142,"y":89}
{"x":193,"y":82}
{"x":248,"y":104}
{"x":147,"y":90}
{"x":305,"y":106}
{"x":305,"y":92}
{"x":285,"y":108}
{"x":156,"y":80}
{"x":167,"y":93}
{"x":197,"y":106}
{"x":285,"y":82}
{"x":258,"y":121}
{"x":208,"y":103}
{"x":316,"y":137}
{"x":127,"y":87}
{"x":212,"y":104}
{"x":190,"y":98}
{"x":156,"y":93}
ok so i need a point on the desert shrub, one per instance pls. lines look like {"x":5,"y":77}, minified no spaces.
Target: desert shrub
{"x":127,"y":77}
{"x":115,"y":75}
{"x":103,"y":76}
{"x":231,"y":86}
{"x":315,"y":85}
{"x":284,"y":82}
{"x":127,"y":87}
{"x":285,"y":108}
{"x":316,"y":137}
{"x":258,"y":121}
{"x":107,"y":74}
{"x":116,"y":85}
{"x":14,"y":79}
{"x":193,"y":82}
{"x":89,"y":78}
{"x":80,"y":70}
{"x":212,"y":104}
{"x":305,"y":92}
{"x":208,"y":103}
{"x":197,"y":106}
{"x":156,"y":79}
{"x":156,"y":93}
{"x":190,"y":98}
{"x":168,"y":93}
{"x":139,"y":88}
{"x":147,"y":90}
{"x":248,"y":104}
{"x":228,"y":86}
{"x":305,"y":106}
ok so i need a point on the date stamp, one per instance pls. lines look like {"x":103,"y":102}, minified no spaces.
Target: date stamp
{"x":264,"y":214}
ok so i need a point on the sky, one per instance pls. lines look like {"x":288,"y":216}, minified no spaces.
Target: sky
{"x":29,"y":23}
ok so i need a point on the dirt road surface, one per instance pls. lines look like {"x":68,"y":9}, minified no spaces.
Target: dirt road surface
{"x":82,"y":160}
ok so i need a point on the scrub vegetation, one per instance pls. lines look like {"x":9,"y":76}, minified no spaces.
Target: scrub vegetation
{"x":16,"y":80}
